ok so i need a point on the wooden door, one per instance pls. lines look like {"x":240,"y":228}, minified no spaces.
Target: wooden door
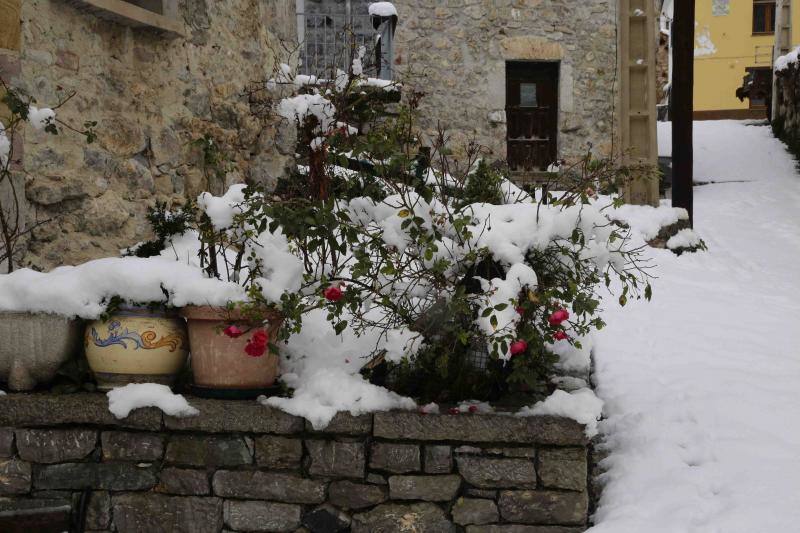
{"x":532,"y":114}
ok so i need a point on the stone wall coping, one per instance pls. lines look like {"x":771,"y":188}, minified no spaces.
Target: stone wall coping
{"x":40,"y":410}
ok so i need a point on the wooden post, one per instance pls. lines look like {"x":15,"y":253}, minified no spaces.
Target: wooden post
{"x":682,"y":105}
{"x":637,"y":59}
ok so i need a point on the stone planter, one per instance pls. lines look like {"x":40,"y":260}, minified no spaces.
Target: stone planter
{"x":219,"y":361}
{"x":33,"y":346}
{"x":136,"y":345}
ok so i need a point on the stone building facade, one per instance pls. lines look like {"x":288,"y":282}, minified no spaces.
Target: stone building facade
{"x":458,"y":54}
{"x":153,"y":92}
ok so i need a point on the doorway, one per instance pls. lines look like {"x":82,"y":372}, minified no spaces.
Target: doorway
{"x":532,"y":114}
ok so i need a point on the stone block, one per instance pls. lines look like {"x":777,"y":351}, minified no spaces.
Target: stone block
{"x":546,"y":430}
{"x":519,"y":528}
{"x":544,"y":507}
{"x":218,"y":416}
{"x":103,"y":476}
{"x":68,"y":60}
{"x":15,"y":477}
{"x":438,"y":459}
{"x":125,"y":446}
{"x":468,"y":511}
{"x":261,"y":516}
{"x":256,"y":485}
{"x":336,"y":459}
{"x":481,"y":493}
{"x":23,"y":410}
{"x":392,"y":517}
{"x":343,"y":423}
{"x":349,"y":495}
{"x":208,"y":451}
{"x":278,"y":452}
{"x":183,"y":482}
{"x":326,"y":519}
{"x":395,"y":458}
{"x":6,"y":442}
{"x":98,"y":511}
{"x":147,"y":513}
{"x":429,"y":488}
{"x":55,"y":445}
{"x":564,"y":468}
{"x":493,"y":473}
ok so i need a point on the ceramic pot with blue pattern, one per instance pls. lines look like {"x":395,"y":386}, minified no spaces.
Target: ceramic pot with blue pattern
{"x":136,"y":345}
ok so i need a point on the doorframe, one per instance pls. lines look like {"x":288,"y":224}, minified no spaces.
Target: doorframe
{"x":557,"y":63}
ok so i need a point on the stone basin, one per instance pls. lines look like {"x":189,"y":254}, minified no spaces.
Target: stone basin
{"x":33,"y":346}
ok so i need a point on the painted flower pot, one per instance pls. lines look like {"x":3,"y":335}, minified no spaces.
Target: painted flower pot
{"x":33,"y":346}
{"x":136,"y":345}
{"x":220,"y":361}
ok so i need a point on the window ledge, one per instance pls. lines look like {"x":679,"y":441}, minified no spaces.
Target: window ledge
{"x":131,"y":15}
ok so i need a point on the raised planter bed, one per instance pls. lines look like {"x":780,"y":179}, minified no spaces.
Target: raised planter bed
{"x":241,"y":466}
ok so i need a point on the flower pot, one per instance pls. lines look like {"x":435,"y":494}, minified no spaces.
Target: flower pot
{"x":33,"y":346}
{"x":136,"y":345}
{"x":219,"y":361}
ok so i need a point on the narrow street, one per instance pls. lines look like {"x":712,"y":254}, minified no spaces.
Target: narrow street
{"x":702,"y":385}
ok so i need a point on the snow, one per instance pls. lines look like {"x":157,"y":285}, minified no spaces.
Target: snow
{"x":5,"y":145}
{"x":700,"y":385}
{"x":123,"y":400}
{"x":85,"y":290}
{"x":323,"y":368}
{"x":581,"y":405}
{"x":40,"y":118}
{"x":222,"y":209}
{"x":788,"y":60}
{"x":646,"y":220}
{"x":382,"y":9}
{"x":685,"y":238}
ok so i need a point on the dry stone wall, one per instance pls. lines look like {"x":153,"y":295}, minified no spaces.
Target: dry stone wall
{"x":239,"y":466}
{"x":455,"y":52}
{"x":152,"y":94}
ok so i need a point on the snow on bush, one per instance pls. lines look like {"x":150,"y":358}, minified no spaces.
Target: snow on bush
{"x":784,"y":62}
{"x":581,"y":405}
{"x":123,"y":400}
{"x":41,"y":118}
{"x":646,"y":220}
{"x":685,"y":238}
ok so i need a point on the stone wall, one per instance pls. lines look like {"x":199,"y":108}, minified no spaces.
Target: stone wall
{"x":152,"y":94}
{"x":243,"y":467}
{"x":786,"y":110}
{"x":455,"y":52}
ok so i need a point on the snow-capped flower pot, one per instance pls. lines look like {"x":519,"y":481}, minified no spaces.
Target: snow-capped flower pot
{"x":33,"y":346}
{"x":228,"y":351}
{"x":136,"y":345}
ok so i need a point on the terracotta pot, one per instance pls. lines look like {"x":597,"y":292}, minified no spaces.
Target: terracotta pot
{"x":219,"y":361}
{"x":136,"y":345}
{"x":33,"y":346}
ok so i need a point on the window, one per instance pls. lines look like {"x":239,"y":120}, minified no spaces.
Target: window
{"x":764,"y":16}
{"x":161,"y":15}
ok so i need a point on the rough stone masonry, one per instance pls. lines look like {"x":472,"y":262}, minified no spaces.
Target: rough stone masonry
{"x":456,"y":53}
{"x":239,"y":466}
{"x":152,"y":95}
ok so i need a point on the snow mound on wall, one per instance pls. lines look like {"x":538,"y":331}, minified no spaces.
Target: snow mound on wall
{"x":647,"y":220}
{"x":788,"y":60}
{"x":685,"y":238}
{"x":123,"y":400}
{"x":581,"y":405}
{"x":382,"y":9}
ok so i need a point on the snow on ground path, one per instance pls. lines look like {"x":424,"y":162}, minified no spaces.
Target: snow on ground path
{"x":702,"y":385}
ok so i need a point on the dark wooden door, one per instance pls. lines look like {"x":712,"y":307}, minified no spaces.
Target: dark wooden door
{"x":532,"y":114}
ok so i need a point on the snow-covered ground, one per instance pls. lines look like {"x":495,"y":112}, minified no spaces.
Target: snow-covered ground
{"x":702,"y":385}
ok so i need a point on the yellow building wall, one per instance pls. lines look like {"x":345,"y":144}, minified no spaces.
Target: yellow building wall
{"x":724,"y":47}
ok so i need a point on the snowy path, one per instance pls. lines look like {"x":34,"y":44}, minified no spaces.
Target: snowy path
{"x":702,"y":385}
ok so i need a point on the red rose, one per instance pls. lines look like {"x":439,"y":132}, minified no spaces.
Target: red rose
{"x":233,"y":331}
{"x":255,"y":350}
{"x":558,"y":317}
{"x":518,"y":347}
{"x":473,"y":408}
{"x":333,"y":294}
{"x":454,"y":411}
{"x":520,"y":310}
{"x":560,"y":335}
{"x":260,"y":338}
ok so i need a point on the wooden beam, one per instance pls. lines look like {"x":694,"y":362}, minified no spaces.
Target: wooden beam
{"x":683,"y":105}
